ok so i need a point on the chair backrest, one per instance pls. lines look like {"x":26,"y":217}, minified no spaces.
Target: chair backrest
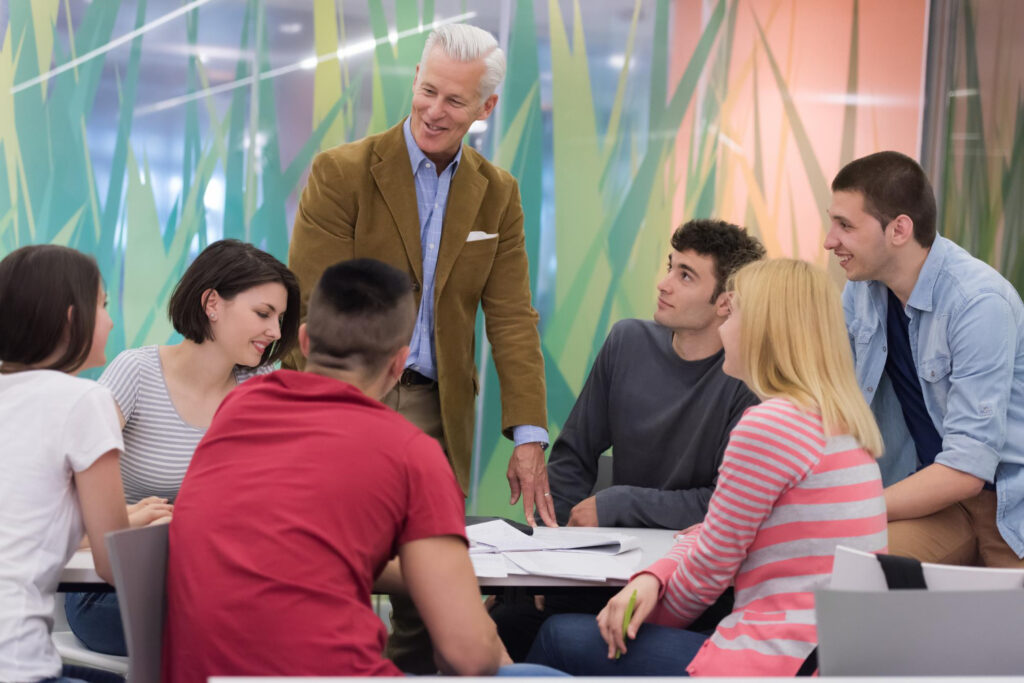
{"x":968,"y":622}
{"x":856,"y":570}
{"x":139,"y":562}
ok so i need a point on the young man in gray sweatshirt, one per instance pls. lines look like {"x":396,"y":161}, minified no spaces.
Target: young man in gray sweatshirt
{"x":658,"y":399}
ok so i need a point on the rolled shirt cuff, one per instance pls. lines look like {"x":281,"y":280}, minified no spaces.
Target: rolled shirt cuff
{"x":524,"y":434}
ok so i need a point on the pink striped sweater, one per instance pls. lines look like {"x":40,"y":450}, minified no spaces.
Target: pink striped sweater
{"x":787,"y":495}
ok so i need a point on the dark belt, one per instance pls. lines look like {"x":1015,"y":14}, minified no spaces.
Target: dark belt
{"x":411,"y":378}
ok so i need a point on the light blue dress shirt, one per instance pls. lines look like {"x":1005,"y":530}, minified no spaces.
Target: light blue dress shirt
{"x":967,"y":339}
{"x":432,"y":202}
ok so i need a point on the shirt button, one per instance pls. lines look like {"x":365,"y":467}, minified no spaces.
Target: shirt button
{"x":428,"y":164}
{"x":885,"y":349}
{"x":870,"y":389}
{"x":431,"y":246}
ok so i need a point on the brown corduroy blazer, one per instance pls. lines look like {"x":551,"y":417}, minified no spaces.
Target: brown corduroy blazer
{"x":360,"y":202}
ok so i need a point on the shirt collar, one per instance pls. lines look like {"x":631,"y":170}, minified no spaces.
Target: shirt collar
{"x":922,"y":296}
{"x":416,"y":155}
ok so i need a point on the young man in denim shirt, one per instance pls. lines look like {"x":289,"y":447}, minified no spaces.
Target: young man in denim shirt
{"x":938,"y":342}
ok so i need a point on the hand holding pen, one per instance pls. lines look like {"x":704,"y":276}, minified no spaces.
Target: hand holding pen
{"x":614,"y":621}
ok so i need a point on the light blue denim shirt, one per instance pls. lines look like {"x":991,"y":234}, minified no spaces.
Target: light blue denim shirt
{"x":967,"y":340}
{"x":432,"y":202}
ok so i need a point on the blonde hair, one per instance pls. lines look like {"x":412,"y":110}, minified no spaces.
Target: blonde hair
{"x":794,"y":345}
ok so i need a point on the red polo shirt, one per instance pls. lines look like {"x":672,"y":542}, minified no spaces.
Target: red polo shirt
{"x":300,"y":492}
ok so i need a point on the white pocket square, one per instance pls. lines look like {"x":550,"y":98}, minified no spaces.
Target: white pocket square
{"x":478,"y":235}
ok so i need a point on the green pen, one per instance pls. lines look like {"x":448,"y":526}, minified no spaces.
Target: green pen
{"x":626,"y":618}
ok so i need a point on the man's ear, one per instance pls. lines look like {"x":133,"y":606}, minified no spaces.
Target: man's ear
{"x":488,"y":107}
{"x":902,"y":230}
{"x":722,"y":304}
{"x":304,"y":340}
{"x":397,"y":366}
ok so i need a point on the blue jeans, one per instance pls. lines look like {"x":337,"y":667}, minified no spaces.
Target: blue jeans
{"x":95,"y":619}
{"x":528,"y":670}
{"x":572,"y":643}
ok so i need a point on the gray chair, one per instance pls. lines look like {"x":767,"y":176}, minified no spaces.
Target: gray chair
{"x":139,"y":562}
{"x":967,"y":622}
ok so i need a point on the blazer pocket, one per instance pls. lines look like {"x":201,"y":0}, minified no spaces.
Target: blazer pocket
{"x":478,"y":235}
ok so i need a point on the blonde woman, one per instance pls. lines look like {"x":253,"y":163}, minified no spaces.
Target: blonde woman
{"x":798,"y":478}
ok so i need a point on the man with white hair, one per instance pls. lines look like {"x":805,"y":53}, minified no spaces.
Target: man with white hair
{"x":418,"y":199}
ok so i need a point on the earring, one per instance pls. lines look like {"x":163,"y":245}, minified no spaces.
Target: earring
{"x":213,"y":317}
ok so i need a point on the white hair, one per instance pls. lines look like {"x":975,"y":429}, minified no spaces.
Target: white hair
{"x":465,"y":43}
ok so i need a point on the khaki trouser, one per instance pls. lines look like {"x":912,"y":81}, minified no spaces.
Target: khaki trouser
{"x":964,"y":533}
{"x":409,"y":645}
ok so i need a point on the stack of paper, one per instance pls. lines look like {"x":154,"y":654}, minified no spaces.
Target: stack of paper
{"x":497,"y":549}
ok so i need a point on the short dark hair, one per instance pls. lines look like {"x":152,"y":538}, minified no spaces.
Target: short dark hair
{"x":230,"y":267}
{"x":892,"y":184}
{"x":38,"y":285}
{"x":360,"y":313}
{"x":729,"y":246}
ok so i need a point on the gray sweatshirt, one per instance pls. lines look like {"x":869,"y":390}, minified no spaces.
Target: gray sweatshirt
{"x":667,"y":421}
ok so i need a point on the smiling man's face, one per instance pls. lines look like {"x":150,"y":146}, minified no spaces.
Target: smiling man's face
{"x":856,"y":237}
{"x":445,"y":103}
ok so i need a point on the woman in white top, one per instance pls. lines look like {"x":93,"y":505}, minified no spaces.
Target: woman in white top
{"x":237,"y":308}
{"x":60,"y":445}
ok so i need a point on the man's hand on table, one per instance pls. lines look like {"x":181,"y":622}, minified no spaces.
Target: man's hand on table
{"x":584,"y":513}
{"x":528,"y":476}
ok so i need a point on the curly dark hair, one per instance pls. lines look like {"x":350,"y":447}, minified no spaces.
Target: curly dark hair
{"x":727,"y":244}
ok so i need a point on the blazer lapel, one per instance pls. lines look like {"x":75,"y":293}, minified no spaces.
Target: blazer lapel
{"x":393,"y":176}
{"x":464,"y":196}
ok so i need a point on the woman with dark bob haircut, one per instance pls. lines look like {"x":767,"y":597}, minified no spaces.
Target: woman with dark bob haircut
{"x":61,"y":444}
{"x":238,"y":309}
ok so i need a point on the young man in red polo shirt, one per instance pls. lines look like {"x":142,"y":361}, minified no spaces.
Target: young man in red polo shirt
{"x":302,"y":490}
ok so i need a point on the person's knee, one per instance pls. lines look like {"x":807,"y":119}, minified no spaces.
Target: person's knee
{"x":945,"y":537}
{"x":561,"y":633}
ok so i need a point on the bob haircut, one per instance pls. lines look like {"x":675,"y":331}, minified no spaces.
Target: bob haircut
{"x":230,"y":267}
{"x":794,"y":344}
{"x":48,"y":297}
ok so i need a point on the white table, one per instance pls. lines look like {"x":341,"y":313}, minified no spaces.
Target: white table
{"x":80,"y":573}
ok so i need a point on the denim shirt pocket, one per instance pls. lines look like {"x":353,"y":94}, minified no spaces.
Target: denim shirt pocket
{"x":934,"y":373}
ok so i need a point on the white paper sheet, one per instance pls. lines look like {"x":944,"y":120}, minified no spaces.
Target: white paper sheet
{"x":496,"y":536}
{"x":489,"y":565}
{"x":575,"y":565}
{"x":565,"y":538}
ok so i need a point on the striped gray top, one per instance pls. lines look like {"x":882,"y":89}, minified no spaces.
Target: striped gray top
{"x":158,"y":444}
